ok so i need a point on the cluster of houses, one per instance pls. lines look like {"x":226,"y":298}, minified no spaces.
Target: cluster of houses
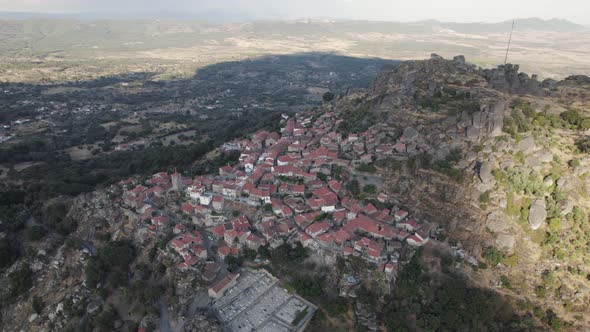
{"x":284,"y":188}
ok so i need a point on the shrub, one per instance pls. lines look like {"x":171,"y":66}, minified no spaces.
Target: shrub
{"x":505,"y":282}
{"x":493,"y":255}
{"x":368,"y":168}
{"x":520,"y":182}
{"x":572,"y":117}
{"x":540,"y":291}
{"x":555,"y":225}
{"x":583,"y":145}
{"x":484,"y":198}
{"x":574,"y":163}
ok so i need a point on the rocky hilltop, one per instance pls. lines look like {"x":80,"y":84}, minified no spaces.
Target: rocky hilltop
{"x":503,"y":169}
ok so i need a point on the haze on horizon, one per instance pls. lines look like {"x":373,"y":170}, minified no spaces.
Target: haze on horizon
{"x":577,"y":11}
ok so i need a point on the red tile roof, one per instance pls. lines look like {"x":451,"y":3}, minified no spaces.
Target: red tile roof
{"x":335,"y":185}
{"x":224,"y":282}
{"x":317,"y":228}
{"x":341,"y":236}
{"x":370,"y":226}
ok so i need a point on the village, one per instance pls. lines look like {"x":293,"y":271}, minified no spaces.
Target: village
{"x":285,"y":188}
{"x":286,"y":185}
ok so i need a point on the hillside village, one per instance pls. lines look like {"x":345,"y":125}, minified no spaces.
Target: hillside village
{"x":442,"y":186}
{"x":286,"y":187}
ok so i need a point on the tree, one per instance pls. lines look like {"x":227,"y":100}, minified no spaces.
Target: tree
{"x":264,"y":251}
{"x":37,"y":304}
{"x":7,"y":256}
{"x":354,"y":187}
{"x":20,"y":280}
{"x":328,"y":96}
{"x":35,"y":233}
{"x":233,"y":262}
{"x":112,"y":262}
{"x":370,"y":189}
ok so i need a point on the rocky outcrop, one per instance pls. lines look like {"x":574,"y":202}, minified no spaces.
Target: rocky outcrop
{"x":526,"y":145}
{"x":506,"y":78}
{"x":497,"y":222}
{"x":410,"y":135}
{"x":506,"y":241}
{"x":537,"y":214}
{"x":403,"y":85}
{"x":572,"y":186}
{"x":485,"y":172}
{"x":565,"y":206}
{"x":485,"y":123}
{"x":577,"y":80}
{"x":366,"y":317}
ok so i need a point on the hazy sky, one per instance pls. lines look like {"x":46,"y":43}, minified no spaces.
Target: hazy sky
{"x":392,"y":10}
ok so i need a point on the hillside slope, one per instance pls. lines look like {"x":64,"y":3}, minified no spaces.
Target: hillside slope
{"x":500,"y":161}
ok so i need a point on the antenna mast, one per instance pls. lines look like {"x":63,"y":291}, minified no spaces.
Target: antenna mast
{"x":509,"y":40}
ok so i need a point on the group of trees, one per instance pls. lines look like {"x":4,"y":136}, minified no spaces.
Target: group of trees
{"x":524,"y":118}
{"x":448,"y":304}
{"x":520,"y":182}
{"x":453,"y":100}
{"x":356,"y":120}
{"x":111,"y":264}
{"x":20,"y":280}
{"x":444,"y":166}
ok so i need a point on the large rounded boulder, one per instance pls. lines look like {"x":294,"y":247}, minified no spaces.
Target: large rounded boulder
{"x":537,"y":213}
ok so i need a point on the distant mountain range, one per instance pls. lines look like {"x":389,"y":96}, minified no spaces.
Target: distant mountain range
{"x":210,"y":15}
{"x":534,"y":23}
{"x":555,"y":24}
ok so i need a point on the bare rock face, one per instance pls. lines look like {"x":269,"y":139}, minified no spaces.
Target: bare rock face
{"x":459,"y":59}
{"x":565,"y":206}
{"x":533,"y":163}
{"x":485,"y":172}
{"x":571,"y":185}
{"x":537,"y":214}
{"x":506,"y":241}
{"x":496,"y":222}
{"x":527,"y":145}
{"x":577,"y":80}
{"x":485,"y":123}
{"x":410,"y":134}
{"x":93,"y":306}
{"x":472,"y":133}
{"x":436,"y":57}
{"x":545,"y":156}
{"x":496,"y":119}
{"x":506,"y":78}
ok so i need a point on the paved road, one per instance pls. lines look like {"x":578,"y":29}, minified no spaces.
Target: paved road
{"x":367,"y":178}
{"x":200,"y":301}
